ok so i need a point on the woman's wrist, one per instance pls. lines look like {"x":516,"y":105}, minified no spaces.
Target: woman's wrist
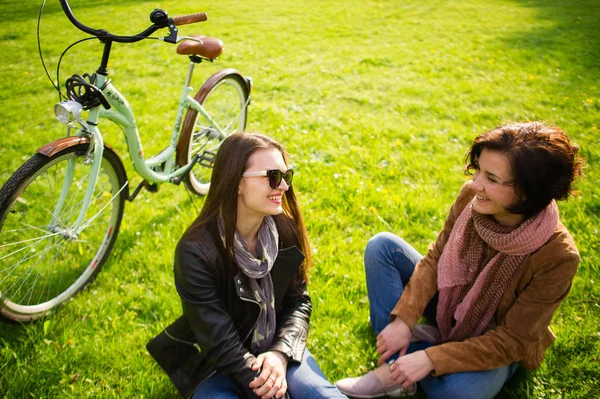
{"x":284,"y":359}
{"x":431,"y":365}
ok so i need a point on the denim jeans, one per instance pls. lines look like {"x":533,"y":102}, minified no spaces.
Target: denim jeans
{"x":305,"y":380}
{"x":389,"y":264}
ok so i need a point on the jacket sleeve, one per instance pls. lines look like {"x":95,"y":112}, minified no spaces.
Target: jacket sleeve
{"x":422,"y":285}
{"x":292,"y":325}
{"x":211,"y":324}
{"x":521,"y":328}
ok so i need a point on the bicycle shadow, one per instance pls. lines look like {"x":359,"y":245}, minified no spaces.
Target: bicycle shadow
{"x":187,"y":209}
{"x":11,"y":331}
{"x":17,"y":338}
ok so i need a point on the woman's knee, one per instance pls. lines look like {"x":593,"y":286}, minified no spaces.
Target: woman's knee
{"x":306,"y":380}
{"x":381,"y":244}
{"x":387,"y":249}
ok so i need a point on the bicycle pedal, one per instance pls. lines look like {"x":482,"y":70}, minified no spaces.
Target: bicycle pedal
{"x":207,"y":159}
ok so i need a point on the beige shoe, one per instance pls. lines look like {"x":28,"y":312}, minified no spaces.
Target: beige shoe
{"x":368,"y":386}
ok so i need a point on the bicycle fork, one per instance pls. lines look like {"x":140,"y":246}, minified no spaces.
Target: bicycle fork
{"x":96,"y":150}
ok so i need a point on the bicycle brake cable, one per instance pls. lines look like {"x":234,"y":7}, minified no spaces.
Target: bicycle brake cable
{"x":39,"y":22}
{"x":57,"y":84}
{"x":60,"y":60}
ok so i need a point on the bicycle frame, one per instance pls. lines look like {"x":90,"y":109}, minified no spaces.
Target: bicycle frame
{"x":62,"y":209}
{"x":158,"y":169}
{"x":122,"y":114}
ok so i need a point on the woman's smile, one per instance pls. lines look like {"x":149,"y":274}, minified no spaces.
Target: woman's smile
{"x":275,"y":198}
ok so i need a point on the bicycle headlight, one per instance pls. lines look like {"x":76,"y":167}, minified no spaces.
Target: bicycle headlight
{"x":67,"y":111}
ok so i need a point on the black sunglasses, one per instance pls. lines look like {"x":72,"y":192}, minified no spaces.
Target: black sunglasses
{"x":275,"y":176}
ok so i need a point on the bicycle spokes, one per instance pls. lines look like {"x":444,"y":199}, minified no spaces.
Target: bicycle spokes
{"x":46,"y":258}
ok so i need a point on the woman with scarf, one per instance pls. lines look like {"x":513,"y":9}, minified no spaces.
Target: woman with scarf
{"x":241,"y":272}
{"x":491,"y":281}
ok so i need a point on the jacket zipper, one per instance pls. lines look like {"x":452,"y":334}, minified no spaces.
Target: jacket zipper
{"x":198,"y":347}
{"x":256,"y":321}
{"x":201,"y":382}
{"x":195,"y":344}
{"x":214,"y":372}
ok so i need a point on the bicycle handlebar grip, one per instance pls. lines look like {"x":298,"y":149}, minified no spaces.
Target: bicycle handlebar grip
{"x":190,"y":19}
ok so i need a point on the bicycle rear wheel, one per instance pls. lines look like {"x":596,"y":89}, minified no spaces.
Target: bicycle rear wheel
{"x":224,"y":97}
{"x":43,"y":262}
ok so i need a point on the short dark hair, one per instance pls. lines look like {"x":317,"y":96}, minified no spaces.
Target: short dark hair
{"x":544,"y":163}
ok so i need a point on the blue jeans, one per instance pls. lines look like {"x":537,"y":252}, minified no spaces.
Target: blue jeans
{"x":389,"y":264}
{"x":305,"y":380}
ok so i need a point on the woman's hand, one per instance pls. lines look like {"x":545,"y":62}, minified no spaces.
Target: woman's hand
{"x":411,"y":368}
{"x":395,"y":337}
{"x":271,"y":382}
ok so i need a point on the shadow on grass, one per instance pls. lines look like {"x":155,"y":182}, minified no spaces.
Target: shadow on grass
{"x":12,"y":331}
{"x":126,"y":240}
{"x":18,"y":10}
{"x":574,"y":35}
{"x":519,"y":386}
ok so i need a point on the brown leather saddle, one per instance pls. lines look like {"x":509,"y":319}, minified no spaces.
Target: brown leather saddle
{"x":210,"y":48}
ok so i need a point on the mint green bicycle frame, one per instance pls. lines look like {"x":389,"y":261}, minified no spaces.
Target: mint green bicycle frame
{"x":122,"y":114}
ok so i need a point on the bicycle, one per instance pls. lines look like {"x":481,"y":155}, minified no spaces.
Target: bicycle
{"x":60,"y":212}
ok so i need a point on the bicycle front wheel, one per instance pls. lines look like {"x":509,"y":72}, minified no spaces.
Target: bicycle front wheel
{"x":225,"y":98}
{"x":43,"y":261}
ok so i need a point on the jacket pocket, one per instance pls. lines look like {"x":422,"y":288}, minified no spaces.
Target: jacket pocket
{"x":180,"y":357}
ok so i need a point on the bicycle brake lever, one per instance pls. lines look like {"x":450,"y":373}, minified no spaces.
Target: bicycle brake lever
{"x":180,"y":39}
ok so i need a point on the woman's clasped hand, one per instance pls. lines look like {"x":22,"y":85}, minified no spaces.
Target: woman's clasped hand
{"x":394,"y":338}
{"x":271,"y":382}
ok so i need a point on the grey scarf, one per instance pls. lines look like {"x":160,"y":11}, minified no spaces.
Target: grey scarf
{"x":258,"y":271}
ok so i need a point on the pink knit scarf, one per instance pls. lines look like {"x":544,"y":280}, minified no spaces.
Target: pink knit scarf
{"x":469,"y":292}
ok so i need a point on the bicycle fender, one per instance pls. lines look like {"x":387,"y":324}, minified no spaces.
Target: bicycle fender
{"x":210,"y":83}
{"x":58,"y":145}
{"x":200,"y":97}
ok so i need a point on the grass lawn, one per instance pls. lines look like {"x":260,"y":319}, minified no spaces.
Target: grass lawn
{"x":377,"y":101}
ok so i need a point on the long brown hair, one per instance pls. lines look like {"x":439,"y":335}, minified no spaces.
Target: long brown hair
{"x":230,"y":163}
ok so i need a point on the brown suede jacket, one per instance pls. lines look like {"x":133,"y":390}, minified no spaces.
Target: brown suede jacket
{"x":521,"y":333}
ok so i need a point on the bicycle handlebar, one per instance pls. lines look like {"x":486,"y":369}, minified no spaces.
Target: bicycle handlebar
{"x":103,"y":34}
{"x":190,"y":19}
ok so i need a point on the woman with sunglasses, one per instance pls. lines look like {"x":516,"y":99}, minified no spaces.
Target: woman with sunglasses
{"x":491,"y":281}
{"x":241,"y":272}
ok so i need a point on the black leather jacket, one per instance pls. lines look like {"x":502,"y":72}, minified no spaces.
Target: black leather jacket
{"x":220,"y":312}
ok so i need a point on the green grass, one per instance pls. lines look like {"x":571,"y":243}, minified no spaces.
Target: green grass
{"x":377,"y":101}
